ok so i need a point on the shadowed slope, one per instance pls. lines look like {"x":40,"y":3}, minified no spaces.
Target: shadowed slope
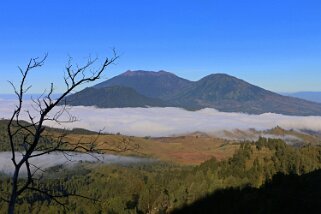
{"x":112,"y":97}
{"x":283,"y":194}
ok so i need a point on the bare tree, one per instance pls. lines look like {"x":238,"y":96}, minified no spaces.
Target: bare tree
{"x":31,"y":139}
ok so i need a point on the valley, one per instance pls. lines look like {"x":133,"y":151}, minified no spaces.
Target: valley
{"x":190,"y":172}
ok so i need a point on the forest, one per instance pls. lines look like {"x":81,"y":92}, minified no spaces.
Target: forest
{"x":253,"y":180}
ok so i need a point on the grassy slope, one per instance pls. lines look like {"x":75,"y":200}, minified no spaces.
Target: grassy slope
{"x":187,"y":150}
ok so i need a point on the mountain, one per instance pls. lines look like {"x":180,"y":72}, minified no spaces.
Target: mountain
{"x":220,"y":91}
{"x":112,"y":97}
{"x":159,"y":84}
{"x":229,"y":94}
{"x":313,"y":96}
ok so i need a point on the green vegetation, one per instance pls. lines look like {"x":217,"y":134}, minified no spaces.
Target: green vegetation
{"x":162,"y":187}
{"x":45,"y":140}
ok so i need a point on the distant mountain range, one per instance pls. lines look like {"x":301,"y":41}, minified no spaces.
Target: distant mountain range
{"x":313,"y":96}
{"x":220,"y":91}
{"x":26,"y":96}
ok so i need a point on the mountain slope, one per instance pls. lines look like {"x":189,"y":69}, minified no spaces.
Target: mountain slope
{"x":159,"y":84}
{"x":214,"y":89}
{"x":112,"y":97}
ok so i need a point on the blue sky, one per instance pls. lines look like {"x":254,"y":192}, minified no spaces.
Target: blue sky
{"x":273,"y":44}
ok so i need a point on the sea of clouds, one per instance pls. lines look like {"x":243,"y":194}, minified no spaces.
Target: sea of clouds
{"x":155,"y":122}
{"x":160,"y":122}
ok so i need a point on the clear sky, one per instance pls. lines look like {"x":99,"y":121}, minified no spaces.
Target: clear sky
{"x":275,"y":44}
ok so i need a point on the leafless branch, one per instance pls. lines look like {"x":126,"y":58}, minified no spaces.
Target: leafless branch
{"x":34,"y":140}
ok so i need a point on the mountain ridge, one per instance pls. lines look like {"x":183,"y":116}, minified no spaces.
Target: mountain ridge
{"x":313,"y":96}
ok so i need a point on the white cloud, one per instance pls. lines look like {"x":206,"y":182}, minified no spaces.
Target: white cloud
{"x":67,"y":160}
{"x":171,"y":121}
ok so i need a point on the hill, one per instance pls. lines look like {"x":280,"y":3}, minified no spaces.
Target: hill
{"x":220,"y":91}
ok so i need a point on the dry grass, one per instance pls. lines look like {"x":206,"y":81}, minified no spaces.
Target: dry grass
{"x":185,"y":150}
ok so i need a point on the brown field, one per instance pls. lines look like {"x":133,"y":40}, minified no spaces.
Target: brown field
{"x":185,"y":150}
{"x":191,"y":149}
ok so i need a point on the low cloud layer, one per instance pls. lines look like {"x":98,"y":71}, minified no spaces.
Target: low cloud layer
{"x":158,"y":122}
{"x":68,"y":160}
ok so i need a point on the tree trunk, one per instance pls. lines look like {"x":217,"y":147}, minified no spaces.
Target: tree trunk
{"x":14,"y":193}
